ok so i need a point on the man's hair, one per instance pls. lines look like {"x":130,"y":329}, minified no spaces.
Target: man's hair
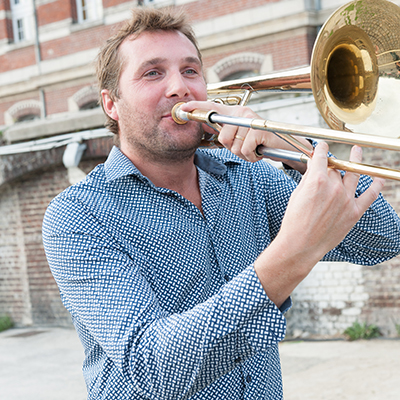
{"x":109,"y":64}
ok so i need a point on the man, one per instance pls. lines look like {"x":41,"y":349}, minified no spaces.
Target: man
{"x":177,"y":264}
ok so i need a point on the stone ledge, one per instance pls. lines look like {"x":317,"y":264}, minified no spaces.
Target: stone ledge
{"x":69,"y":122}
{"x":14,"y":166}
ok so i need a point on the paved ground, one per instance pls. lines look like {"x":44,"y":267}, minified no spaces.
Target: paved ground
{"x":341,"y":370}
{"x":41,"y":364}
{"x":45,"y":364}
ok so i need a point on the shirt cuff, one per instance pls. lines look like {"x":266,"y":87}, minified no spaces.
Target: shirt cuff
{"x":266,"y":324}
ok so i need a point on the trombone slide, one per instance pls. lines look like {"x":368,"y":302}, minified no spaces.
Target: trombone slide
{"x":285,"y":131}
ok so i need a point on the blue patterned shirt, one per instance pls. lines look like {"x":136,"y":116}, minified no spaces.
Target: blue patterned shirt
{"x":165,"y":300}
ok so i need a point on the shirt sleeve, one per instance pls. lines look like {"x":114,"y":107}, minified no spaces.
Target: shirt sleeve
{"x":375,"y":238}
{"x":163,"y":355}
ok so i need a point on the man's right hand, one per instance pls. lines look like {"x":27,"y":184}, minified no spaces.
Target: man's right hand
{"x":320,"y":213}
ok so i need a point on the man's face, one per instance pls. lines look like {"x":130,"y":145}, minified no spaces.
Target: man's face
{"x":160,"y":69}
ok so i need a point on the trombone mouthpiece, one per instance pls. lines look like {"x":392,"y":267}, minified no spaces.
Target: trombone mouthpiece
{"x":178,"y":115}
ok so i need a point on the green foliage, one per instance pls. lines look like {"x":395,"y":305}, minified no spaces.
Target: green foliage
{"x":397,"y":329}
{"x":362,"y":331}
{"x":5,"y":322}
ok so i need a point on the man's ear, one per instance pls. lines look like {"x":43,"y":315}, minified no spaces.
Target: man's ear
{"x":109,"y":105}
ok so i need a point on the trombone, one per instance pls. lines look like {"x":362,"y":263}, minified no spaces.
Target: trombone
{"x":354,"y":75}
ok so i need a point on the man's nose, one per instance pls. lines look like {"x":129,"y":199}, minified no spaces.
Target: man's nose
{"x":177,"y":86}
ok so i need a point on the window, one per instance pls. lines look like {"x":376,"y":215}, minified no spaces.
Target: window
{"x":22,"y":19}
{"x":86,"y":98}
{"x":28,"y":117}
{"x":241,"y":74}
{"x":25,"y":110}
{"x":240,"y":65}
{"x":86,"y":10}
{"x":90,"y":106}
{"x":152,"y":2}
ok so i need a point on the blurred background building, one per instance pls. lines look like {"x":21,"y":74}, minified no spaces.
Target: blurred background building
{"x":51,"y":135}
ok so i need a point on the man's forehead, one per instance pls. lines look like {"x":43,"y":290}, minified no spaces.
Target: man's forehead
{"x":156,"y":39}
{"x":151,"y":48}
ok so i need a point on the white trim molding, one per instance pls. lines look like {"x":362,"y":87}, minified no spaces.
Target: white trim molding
{"x":22,"y":109}
{"x":260,"y":63}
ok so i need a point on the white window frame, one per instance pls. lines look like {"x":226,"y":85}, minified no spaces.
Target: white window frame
{"x":22,"y":20}
{"x":87,"y":10}
{"x":156,"y":2}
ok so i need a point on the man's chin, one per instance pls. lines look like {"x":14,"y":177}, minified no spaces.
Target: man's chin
{"x":185,"y":141}
{"x":174,"y":151}
{"x":181,"y":153}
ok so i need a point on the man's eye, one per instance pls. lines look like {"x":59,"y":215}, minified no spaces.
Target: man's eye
{"x":190,"y":71}
{"x":152,"y":73}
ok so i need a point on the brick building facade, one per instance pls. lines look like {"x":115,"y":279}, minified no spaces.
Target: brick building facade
{"x":48,"y":100}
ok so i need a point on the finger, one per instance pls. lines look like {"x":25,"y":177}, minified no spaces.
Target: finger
{"x":203,"y":105}
{"x":227,"y":137}
{"x":238,"y":137}
{"x":238,"y":141}
{"x":254,"y":138}
{"x":319,"y":160}
{"x":350,"y":179}
{"x":370,"y":195}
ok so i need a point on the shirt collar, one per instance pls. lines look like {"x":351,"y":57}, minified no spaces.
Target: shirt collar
{"x":118,"y":165}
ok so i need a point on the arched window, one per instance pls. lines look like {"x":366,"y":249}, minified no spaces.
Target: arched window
{"x":240,"y":65}
{"x":25,"y":110}
{"x":84,"y":99}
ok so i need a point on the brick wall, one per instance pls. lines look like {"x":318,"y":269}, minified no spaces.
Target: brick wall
{"x":335,"y":295}
{"x":4,"y":5}
{"x":34,"y":193}
{"x":55,"y":11}
{"x":78,"y":41}
{"x":382,"y":282}
{"x":19,"y":58}
{"x":286,"y":52}
{"x":204,"y":9}
{"x":14,"y":288}
{"x":57,"y":98}
{"x":112,"y":3}
{"x":28,"y":292}
{"x":5,"y":23}
{"x":5,"y":29}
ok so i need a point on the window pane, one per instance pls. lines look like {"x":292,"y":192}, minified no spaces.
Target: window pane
{"x":20,"y":29}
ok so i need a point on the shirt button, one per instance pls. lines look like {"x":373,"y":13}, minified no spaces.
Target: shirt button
{"x":238,"y":360}
{"x":226,"y":277}
{"x":248,"y":378}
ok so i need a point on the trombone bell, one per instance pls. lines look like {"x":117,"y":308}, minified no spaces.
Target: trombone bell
{"x":354,"y":73}
{"x":355,"y":69}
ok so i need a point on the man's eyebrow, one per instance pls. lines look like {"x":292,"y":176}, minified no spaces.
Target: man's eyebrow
{"x":160,"y":60}
{"x":151,"y":62}
{"x":193,"y":60}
